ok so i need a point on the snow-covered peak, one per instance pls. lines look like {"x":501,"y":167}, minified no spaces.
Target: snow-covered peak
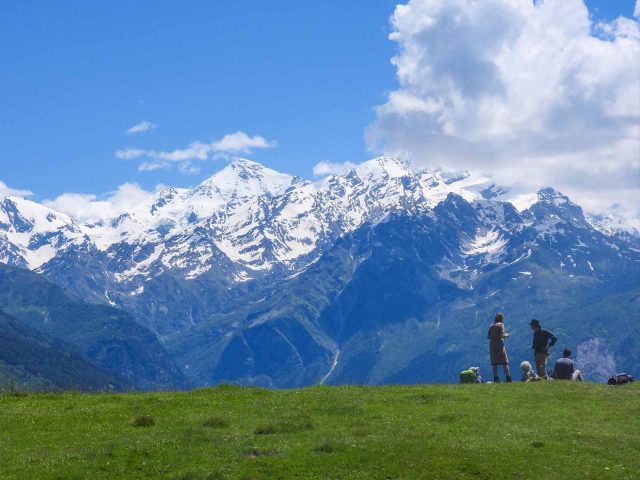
{"x":244,"y":178}
{"x":553,"y":206}
{"x":35,"y":231}
{"x":162,"y":201}
{"x":174,"y":210}
{"x":25,"y":216}
{"x":611,"y":224}
{"x":552,"y":196}
{"x":254,"y":218}
{"x":382,"y":168}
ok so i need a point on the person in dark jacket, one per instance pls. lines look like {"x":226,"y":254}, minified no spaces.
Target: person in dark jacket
{"x":564,"y":368}
{"x":542,"y":341}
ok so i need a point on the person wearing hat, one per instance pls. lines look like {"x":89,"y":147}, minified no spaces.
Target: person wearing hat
{"x":542,"y":341}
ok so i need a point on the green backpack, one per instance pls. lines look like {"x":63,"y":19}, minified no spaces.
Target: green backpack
{"x":468,"y":376}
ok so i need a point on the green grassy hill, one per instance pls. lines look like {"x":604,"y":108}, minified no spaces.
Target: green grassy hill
{"x":519,"y":431}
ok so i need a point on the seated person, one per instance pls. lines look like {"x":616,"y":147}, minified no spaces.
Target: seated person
{"x":565,"y":369}
{"x":528,"y":375}
{"x":471,"y":375}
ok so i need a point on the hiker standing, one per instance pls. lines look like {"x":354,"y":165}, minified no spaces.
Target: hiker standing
{"x":542,"y":341}
{"x":497,"y":352}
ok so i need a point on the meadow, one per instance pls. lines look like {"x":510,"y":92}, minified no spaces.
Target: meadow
{"x":512,"y":431}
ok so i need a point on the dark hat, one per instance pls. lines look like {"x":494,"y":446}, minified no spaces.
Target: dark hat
{"x":534,"y":323}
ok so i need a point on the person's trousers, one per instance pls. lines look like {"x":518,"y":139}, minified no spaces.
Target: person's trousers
{"x":541,"y":363}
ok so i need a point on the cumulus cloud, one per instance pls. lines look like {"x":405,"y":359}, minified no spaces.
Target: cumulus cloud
{"x":6,"y":191}
{"x":86,"y":207}
{"x":328,"y":168}
{"x":240,"y":142}
{"x":227,"y":146}
{"x":140,"y":127}
{"x":534,"y":93}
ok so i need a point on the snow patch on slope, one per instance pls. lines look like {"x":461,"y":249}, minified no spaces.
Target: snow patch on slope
{"x":491,"y":243}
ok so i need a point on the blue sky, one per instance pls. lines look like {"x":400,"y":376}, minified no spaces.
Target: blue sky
{"x":75,"y":75}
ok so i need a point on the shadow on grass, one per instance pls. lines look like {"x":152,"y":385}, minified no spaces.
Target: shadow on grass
{"x":143,"y":421}
{"x":447,"y":418}
{"x":285,"y":425}
{"x":343,"y":410}
{"x":256,"y":453}
{"x":196,"y":476}
{"x":328,"y":446}
{"x":433,"y":397}
{"x":215,"y":422}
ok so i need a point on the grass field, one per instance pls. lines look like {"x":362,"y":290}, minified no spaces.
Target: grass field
{"x":552,"y":430}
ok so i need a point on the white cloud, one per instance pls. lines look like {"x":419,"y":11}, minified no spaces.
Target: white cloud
{"x":231,"y":144}
{"x":328,"y":168}
{"x":531,"y":92}
{"x":140,"y":127}
{"x":131,"y":153}
{"x":188,"y":168}
{"x":153,"y":165}
{"x":195,"y":151}
{"x":636,"y":11}
{"x":6,"y":191}
{"x":240,"y":142}
{"x":85,"y":207}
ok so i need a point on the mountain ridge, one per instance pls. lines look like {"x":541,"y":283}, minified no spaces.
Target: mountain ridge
{"x":269,"y":279}
{"x":258,"y":218}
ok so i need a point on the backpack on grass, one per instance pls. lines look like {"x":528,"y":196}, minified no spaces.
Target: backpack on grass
{"x":468,"y":376}
{"x":620,"y":379}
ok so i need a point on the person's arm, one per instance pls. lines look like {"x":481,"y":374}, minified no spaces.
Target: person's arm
{"x":503,"y":334}
{"x":553,"y":338}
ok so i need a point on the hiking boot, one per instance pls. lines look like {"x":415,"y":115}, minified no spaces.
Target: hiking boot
{"x":496,"y":379}
{"x":509,"y":379}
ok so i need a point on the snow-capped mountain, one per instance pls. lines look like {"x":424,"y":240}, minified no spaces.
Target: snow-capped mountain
{"x":335,"y":276}
{"x":31,"y":234}
{"x":254,"y":217}
{"x":409,"y":298}
{"x":248,"y":221}
{"x":615,"y":226}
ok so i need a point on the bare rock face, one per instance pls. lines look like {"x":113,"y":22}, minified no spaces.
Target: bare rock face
{"x":595,"y":358}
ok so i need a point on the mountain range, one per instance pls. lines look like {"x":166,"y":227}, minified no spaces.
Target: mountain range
{"x":379,"y":275}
